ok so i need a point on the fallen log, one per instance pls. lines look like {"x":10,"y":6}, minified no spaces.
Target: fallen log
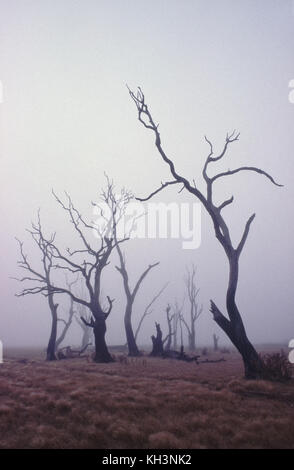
{"x":211,"y":361}
{"x":180,"y":356}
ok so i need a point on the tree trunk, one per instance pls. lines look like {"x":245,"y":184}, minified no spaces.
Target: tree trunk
{"x":235,"y":327}
{"x":132,"y":345}
{"x":157,"y":342}
{"x":101,"y":351}
{"x":192,"y":338}
{"x":64,"y":332}
{"x":168,"y":343}
{"x":170,"y":329}
{"x":215,"y":342}
{"x":249,"y":355}
{"x":86,"y":336}
{"x":52,"y":340}
{"x":175,"y":341}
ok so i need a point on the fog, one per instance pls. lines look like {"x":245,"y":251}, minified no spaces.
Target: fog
{"x":206,"y":68}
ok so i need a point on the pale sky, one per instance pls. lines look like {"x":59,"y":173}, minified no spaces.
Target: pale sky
{"x":206,"y":67}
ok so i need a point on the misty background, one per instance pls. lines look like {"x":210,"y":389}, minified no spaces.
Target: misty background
{"x":206,"y":68}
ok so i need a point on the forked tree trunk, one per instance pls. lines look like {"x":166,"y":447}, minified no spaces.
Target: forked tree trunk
{"x":130,"y":298}
{"x":232,"y":326}
{"x":235,"y":328}
{"x":101,"y":351}
{"x":250,"y":357}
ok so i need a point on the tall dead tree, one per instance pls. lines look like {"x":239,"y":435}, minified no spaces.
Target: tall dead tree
{"x":232,"y":325}
{"x":130,"y":298}
{"x":88,"y":262}
{"x":195,"y":309}
{"x":117,"y":203}
{"x":41,"y":277}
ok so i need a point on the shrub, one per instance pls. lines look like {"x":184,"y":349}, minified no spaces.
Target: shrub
{"x":276,"y":367}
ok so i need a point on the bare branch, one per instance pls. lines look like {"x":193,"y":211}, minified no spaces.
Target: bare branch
{"x":186,"y":324}
{"x":141,"y":278}
{"x":147,"y":310}
{"x":245,"y":235}
{"x":110,"y":302}
{"x":32,"y":291}
{"x":75,"y":218}
{"x":225,"y":203}
{"x":163,"y":185}
{"x":245,"y":168}
{"x":142,"y":108}
{"x":91,"y":324}
{"x":220,"y":319}
{"x":229,"y":139}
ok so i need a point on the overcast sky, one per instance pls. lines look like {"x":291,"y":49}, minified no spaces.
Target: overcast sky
{"x":206,"y":67}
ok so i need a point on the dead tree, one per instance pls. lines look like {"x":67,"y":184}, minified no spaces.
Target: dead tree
{"x":41,"y":277}
{"x":157,"y":342}
{"x":215,"y":342}
{"x":88,"y":262}
{"x":66,"y":323}
{"x":130,"y":298}
{"x":171,"y":333}
{"x":232,"y":325}
{"x":177,"y":309}
{"x":195,"y":309}
{"x":147,"y":310}
{"x":117,"y":203}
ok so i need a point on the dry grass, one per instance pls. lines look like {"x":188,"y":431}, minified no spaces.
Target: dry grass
{"x":150,"y":403}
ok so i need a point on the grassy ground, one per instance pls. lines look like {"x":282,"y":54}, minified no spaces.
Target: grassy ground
{"x":146,"y":403}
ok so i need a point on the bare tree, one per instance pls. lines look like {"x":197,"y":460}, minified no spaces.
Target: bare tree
{"x":215,"y":342}
{"x":130,"y":298}
{"x":169,"y":319}
{"x":66,"y":323}
{"x":117,"y":204}
{"x":88,"y":262}
{"x":233,"y":326}
{"x":41,"y":278}
{"x":195,"y":309}
{"x":177,"y":309}
{"x":148,"y":310}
